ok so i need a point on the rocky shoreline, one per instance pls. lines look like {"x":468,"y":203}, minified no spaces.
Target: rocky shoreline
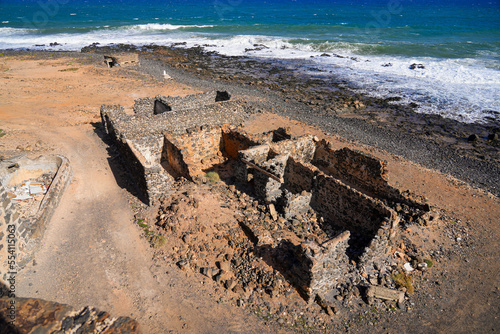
{"x":469,"y":152}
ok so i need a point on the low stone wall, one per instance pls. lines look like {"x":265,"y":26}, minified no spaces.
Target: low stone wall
{"x":20,"y":237}
{"x":366,"y":173}
{"x":348,"y":208}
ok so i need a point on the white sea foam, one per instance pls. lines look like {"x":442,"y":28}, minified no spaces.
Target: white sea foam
{"x":6,"y":32}
{"x":162,"y":27}
{"x":461,"y":89}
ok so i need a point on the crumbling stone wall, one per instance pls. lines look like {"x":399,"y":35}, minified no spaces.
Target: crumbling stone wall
{"x":363,"y":172}
{"x":366,"y":173}
{"x":299,"y":176}
{"x":187,"y":154}
{"x":140,"y":137}
{"x":20,"y":237}
{"x":360,"y":227}
{"x":267,"y":187}
{"x":301,"y":148}
{"x":320,"y":268}
{"x":193,"y":101}
{"x":345,"y":207}
{"x":254,"y":155}
{"x":292,"y":205}
{"x":236,"y":141}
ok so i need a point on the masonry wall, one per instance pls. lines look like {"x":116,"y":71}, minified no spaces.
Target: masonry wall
{"x":174,"y":158}
{"x":301,"y":148}
{"x":291,"y":205}
{"x":357,"y":169}
{"x":299,"y":176}
{"x":189,"y":153}
{"x":345,"y":207}
{"x":235,"y":141}
{"x":24,"y":234}
{"x":266,"y":187}
{"x":256,"y":155}
{"x":321,"y":267}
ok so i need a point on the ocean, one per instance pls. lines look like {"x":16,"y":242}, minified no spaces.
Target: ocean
{"x":443,"y":55}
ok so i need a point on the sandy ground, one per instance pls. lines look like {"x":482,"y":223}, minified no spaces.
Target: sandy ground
{"x":92,"y":251}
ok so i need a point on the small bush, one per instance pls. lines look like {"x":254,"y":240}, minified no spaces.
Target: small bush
{"x":403,"y":280}
{"x":2,"y":133}
{"x":158,"y":241}
{"x":429,"y":263}
{"x":212,"y":177}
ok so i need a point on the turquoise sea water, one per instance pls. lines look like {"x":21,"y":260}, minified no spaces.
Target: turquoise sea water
{"x":457,"y":42}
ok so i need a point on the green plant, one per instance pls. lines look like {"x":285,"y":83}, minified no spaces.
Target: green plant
{"x":268,"y":316}
{"x":429,"y":263}
{"x":212,"y":177}
{"x":72,"y":69}
{"x":2,"y":133}
{"x":158,"y":241}
{"x":403,"y":280}
{"x":301,"y":322}
{"x":145,"y":227}
{"x":140,"y":222}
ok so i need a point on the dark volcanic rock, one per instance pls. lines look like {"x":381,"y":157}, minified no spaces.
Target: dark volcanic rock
{"x":41,"y":316}
{"x":473,"y":138}
{"x":414,"y":66}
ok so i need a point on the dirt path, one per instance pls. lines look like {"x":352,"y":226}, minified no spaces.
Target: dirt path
{"x":92,"y":252}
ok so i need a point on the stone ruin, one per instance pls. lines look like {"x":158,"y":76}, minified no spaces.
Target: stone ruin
{"x":167,"y":138}
{"x":121,"y":59}
{"x":30,"y":190}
